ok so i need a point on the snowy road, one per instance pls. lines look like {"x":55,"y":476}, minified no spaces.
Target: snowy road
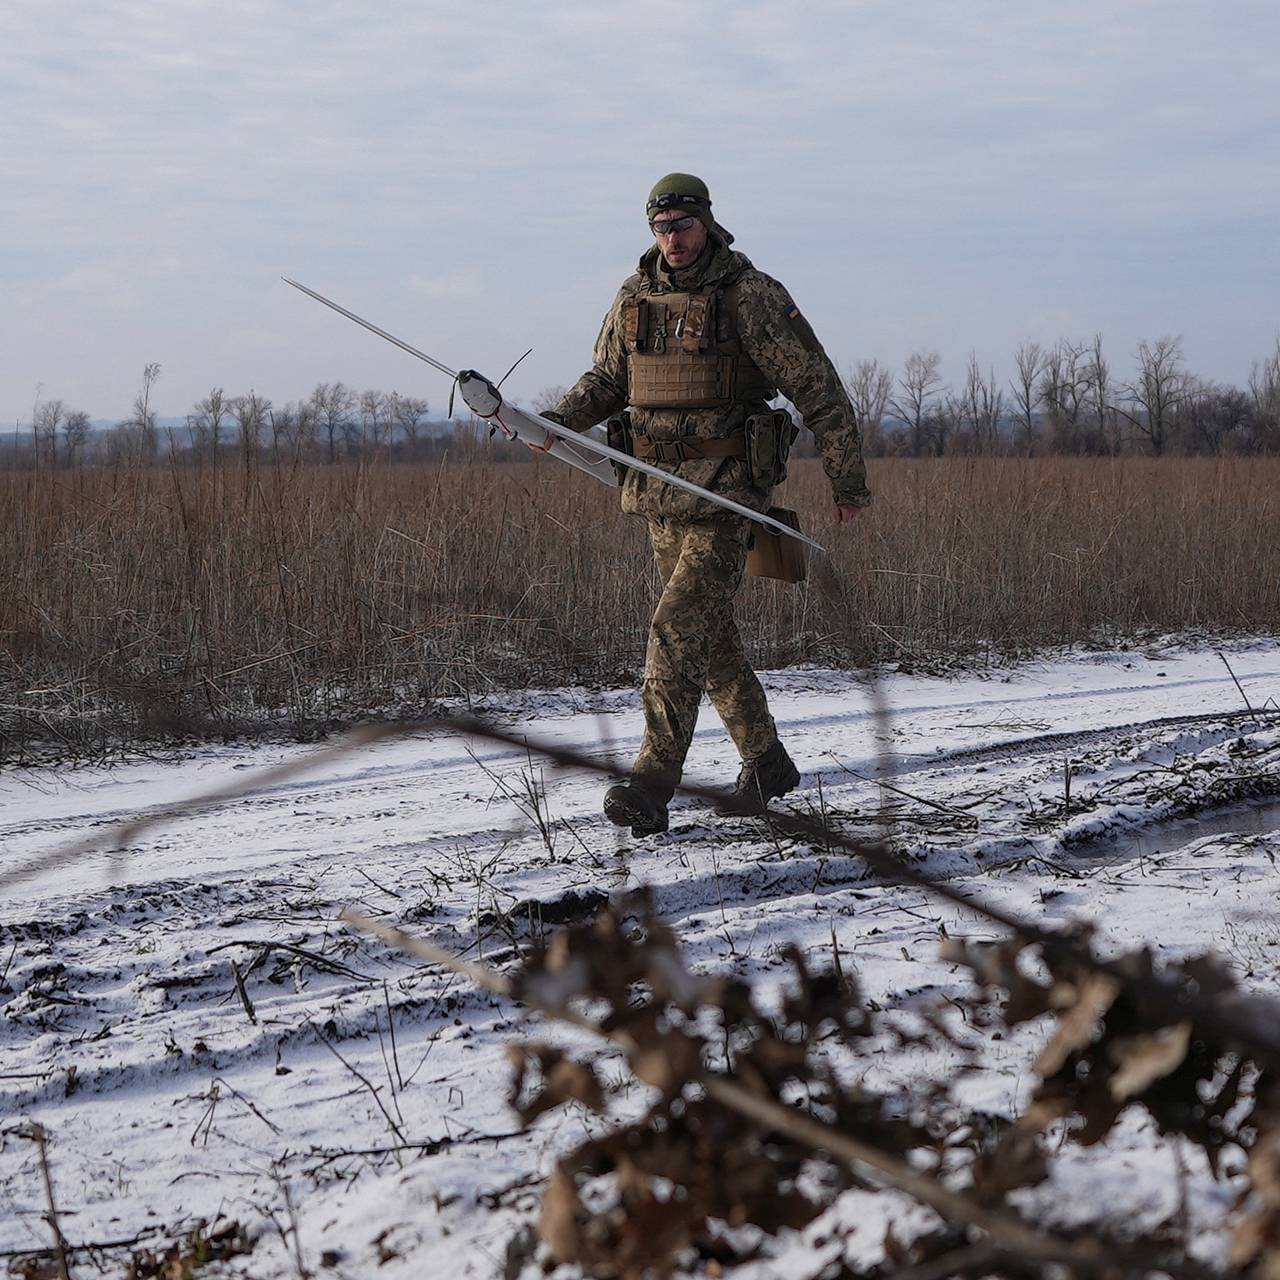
{"x":123,"y":1032}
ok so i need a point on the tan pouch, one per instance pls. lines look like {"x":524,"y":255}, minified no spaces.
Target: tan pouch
{"x":774,"y":555}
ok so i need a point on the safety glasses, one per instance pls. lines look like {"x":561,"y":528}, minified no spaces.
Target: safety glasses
{"x":669,"y":226}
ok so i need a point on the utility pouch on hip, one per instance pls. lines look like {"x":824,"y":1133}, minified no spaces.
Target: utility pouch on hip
{"x":618,"y":436}
{"x":769,"y":439}
{"x":774,"y":555}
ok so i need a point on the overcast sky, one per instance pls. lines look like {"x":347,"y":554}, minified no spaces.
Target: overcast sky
{"x":953,"y":174}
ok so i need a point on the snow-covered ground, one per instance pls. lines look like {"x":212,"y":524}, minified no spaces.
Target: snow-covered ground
{"x":124,"y":1034}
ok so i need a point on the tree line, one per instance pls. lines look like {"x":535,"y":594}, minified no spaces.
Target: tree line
{"x":333,"y":421}
{"x":1062,"y":399}
{"x":1066,"y":399}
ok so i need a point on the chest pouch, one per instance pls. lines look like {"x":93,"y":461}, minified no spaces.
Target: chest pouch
{"x":673,"y":359}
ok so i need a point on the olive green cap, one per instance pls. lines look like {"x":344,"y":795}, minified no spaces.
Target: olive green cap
{"x":683,"y":193}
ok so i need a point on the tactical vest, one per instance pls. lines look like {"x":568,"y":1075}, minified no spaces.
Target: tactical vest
{"x":676,"y":361}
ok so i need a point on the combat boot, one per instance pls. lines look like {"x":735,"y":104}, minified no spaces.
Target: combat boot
{"x":631,"y":805}
{"x":761,"y":780}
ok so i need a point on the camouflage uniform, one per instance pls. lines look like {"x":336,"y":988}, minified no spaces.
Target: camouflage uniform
{"x":700,"y":548}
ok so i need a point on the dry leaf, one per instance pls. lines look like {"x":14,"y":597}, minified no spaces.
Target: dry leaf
{"x":563,"y":1080}
{"x":558,"y":1225}
{"x":1264,"y":1169}
{"x":574,"y":1081}
{"x":1142,"y":1060}
{"x":665,"y":1064}
{"x":1076,"y":1027}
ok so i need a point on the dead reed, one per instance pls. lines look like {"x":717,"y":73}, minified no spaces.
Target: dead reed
{"x":182,"y":599}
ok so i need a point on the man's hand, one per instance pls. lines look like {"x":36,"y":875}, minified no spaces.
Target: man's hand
{"x":846,"y":512}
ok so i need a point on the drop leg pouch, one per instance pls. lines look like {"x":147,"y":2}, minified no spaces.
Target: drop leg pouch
{"x":774,"y":555}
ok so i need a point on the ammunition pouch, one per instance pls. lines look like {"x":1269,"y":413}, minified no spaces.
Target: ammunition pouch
{"x":618,"y":436}
{"x":774,"y":555}
{"x":769,"y":437}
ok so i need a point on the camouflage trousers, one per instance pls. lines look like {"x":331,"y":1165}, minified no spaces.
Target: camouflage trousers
{"x":694,"y":647}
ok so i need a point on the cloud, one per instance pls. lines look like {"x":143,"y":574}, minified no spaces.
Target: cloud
{"x":952,"y":171}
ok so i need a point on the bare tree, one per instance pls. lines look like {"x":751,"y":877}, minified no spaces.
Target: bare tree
{"x":250,"y":416}
{"x":548,"y":398}
{"x":408,"y":415}
{"x":206,"y":421}
{"x":869,"y":387}
{"x":305,"y":428}
{"x":918,"y":390}
{"x":1097,"y":394}
{"x":944,"y":424}
{"x":45,"y":422}
{"x":1028,"y":362}
{"x":1212,"y":418}
{"x":1264,"y":390}
{"x":374,"y":419}
{"x":294,"y":427}
{"x":1162,"y":385}
{"x":138,"y":431}
{"x":981,"y":407}
{"x":333,"y":404}
{"x":283,"y":423}
{"x":1062,"y":390}
{"x":75,"y":434}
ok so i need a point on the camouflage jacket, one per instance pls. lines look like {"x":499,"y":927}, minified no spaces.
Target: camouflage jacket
{"x":775,"y":336}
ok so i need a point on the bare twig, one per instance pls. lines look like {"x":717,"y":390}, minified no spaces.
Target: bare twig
{"x":364,"y":1080}
{"x":906,"y":795}
{"x":303,"y":1273}
{"x":1239,"y":686}
{"x":391,"y":1031}
{"x":976,"y":1258}
{"x":386,"y":1064}
{"x":35,"y":1132}
{"x":93,"y":1246}
{"x":427,"y":1147}
{"x":206,"y":1119}
{"x":238,"y":978}
{"x":235,"y":1093}
{"x":312,"y":957}
{"x":391,"y":893}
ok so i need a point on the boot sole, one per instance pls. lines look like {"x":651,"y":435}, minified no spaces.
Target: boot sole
{"x":622,"y":813}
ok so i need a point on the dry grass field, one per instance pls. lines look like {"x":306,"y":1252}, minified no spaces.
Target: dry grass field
{"x":173,"y":599}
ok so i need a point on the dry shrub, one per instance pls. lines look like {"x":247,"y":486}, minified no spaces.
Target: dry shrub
{"x":172,"y":597}
{"x":752,"y":1115}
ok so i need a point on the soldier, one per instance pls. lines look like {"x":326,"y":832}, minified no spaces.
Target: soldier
{"x":695,"y":345}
